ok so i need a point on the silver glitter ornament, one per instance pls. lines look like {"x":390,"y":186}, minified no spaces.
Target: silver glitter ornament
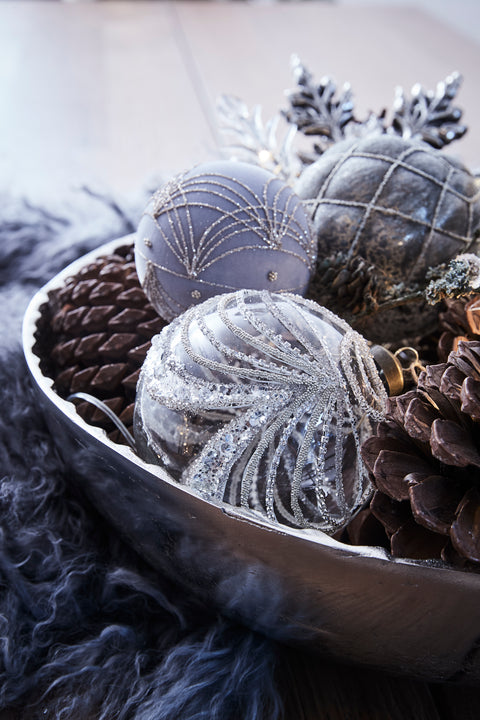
{"x":222,"y":226}
{"x":262,"y":400}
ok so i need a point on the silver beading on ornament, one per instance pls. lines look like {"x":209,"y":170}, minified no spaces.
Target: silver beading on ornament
{"x":220,"y":227}
{"x":262,"y":400}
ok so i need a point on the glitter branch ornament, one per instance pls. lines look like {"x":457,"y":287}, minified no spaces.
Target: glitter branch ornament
{"x":319,"y":111}
{"x":262,"y":400}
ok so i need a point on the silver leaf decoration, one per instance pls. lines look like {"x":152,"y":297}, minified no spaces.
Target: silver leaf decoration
{"x":248,"y":138}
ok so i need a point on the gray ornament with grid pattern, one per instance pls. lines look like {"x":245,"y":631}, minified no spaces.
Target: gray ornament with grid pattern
{"x":400,"y":206}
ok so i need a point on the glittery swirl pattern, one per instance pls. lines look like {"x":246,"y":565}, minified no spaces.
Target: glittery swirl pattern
{"x":286,"y":390}
{"x":199,"y":222}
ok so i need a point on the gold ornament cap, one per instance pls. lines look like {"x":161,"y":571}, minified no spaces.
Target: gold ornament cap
{"x":390,"y":368}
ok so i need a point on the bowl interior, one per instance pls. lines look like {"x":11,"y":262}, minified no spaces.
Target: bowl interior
{"x":299,"y":586}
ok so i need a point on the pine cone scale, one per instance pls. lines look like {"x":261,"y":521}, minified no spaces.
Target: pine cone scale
{"x":133,"y":297}
{"x":64,"y":352}
{"x":451,"y":445}
{"x":434,"y":502}
{"x":372,"y":446}
{"x":414,"y":541}
{"x":94,"y":334}
{"x":130,"y":382}
{"x":71,"y":319}
{"x":82,"y":378}
{"x":451,"y":382}
{"x":103,"y":291}
{"x":108,"y":377}
{"x":116,"y":346}
{"x":391,"y":470}
{"x":470,"y":397}
{"x":465,"y":530}
{"x":64,"y":378}
{"x":127,"y":320}
{"x":82,"y":290}
{"x":418,"y":419}
{"x":391,"y":513}
{"x":96,"y":318}
{"x":467,"y":358}
{"x":88,"y":346}
{"x":428,"y":496}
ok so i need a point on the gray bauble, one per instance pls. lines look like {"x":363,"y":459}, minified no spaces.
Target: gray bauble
{"x":222,"y":226}
{"x":385,"y":210}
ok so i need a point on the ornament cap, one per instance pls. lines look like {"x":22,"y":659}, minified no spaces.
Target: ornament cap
{"x":390,"y":367}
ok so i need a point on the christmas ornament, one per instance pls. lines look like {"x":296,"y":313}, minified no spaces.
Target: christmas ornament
{"x":94,"y":335}
{"x":318,"y":111}
{"x":385,"y":206}
{"x":262,"y":400}
{"x":220,"y":227}
{"x":385,"y":210}
{"x":425,"y":463}
{"x":247,"y":137}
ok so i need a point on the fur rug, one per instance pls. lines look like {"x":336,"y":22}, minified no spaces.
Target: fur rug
{"x":86,"y":628}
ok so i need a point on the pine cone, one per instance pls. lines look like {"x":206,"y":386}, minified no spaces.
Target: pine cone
{"x":425,"y":464}
{"x":459,"y":321}
{"x":94,"y":334}
{"x":345,"y":285}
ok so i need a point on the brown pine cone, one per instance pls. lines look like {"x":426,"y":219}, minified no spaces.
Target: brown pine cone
{"x":459,"y":321}
{"x":94,"y":334}
{"x":346,"y":286}
{"x":424,"y":462}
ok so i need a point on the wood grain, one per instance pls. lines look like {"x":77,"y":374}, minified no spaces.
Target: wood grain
{"x":246,"y":52}
{"x":115,"y":93}
{"x":94,"y":93}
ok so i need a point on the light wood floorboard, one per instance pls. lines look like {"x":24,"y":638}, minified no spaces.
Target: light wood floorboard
{"x":116,"y":93}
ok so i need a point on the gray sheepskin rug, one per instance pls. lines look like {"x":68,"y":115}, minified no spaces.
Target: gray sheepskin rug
{"x":86,"y":628}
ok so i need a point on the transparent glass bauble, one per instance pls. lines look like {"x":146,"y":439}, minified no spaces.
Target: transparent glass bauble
{"x":262,"y":400}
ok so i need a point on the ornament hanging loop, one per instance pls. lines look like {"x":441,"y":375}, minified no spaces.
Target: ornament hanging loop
{"x":399,"y":368}
{"x":409,"y":360}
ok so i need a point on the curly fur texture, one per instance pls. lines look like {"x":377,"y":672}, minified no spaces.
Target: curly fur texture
{"x":88,"y":630}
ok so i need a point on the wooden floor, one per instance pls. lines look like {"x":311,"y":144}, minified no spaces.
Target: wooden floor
{"x":116,"y":93}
